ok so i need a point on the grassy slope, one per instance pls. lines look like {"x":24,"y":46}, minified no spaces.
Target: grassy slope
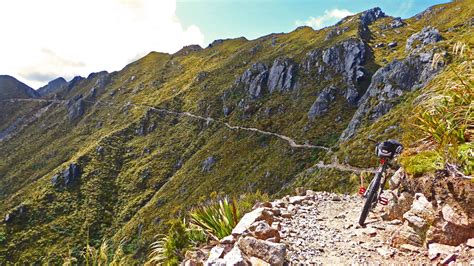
{"x":114,"y":200}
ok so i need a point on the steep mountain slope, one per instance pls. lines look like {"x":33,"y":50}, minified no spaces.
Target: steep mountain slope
{"x":116,"y":155}
{"x":11,"y":88}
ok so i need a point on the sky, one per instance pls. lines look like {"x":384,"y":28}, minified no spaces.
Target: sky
{"x":47,"y":39}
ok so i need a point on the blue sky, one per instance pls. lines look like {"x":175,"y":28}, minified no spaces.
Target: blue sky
{"x":253,"y":18}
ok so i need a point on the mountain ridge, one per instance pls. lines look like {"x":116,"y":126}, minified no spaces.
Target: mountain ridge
{"x":137,"y":168}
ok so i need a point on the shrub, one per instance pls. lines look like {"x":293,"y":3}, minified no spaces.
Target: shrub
{"x":216,"y":219}
{"x":248,"y":200}
{"x":423,"y":162}
{"x":170,"y":248}
{"x":447,"y":118}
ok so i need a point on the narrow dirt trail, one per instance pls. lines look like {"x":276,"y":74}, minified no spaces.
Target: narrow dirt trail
{"x":289,"y":140}
{"x":345,"y":167}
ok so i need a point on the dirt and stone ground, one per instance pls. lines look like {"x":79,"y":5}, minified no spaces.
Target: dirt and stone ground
{"x":325,"y":231}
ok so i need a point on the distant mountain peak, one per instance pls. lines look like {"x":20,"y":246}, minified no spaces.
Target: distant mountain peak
{"x":53,"y":86}
{"x":11,"y":88}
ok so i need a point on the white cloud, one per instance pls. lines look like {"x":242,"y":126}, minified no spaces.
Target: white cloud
{"x":330,"y":17}
{"x":51,"y":38}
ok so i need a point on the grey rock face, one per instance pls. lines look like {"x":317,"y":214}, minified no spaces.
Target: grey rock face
{"x":396,"y":23}
{"x":52,"y":87}
{"x":68,"y":177}
{"x":371,"y":15}
{"x":226,"y":110}
{"x":75,"y":108}
{"x":76,"y":80}
{"x":17,"y":213}
{"x":208,"y":164}
{"x":282,"y":75}
{"x":392,"y":44}
{"x":254,"y":80}
{"x":145,"y":126}
{"x":426,"y":36}
{"x":321,"y":105}
{"x":335,"y":32}
{"x":216,"y":42}
{"x":345,"y":58}
{"x":387,"y":85}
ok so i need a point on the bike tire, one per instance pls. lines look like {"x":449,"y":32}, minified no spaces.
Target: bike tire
{"x":370,"y":199}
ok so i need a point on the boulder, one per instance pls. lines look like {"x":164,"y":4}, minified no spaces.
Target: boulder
{"x":262,"y":230}
{"x":421,"y":213}
{"x":16,"y":213}
{"x":273,"y":253}
{"x":321,"y":105}
{"x":392,"y":44}
{"x":444,"y":232}
{"x":68,"y":177}
{"x":398,"y":206}
{"x":208,"y":164}
{"x":456,"y":216}
{"x":259,"y":214}
{"x":235,"y":258}
{"x":420,"y":39}
{"x":282,"y":75}
{"x":405,"y":235}
{"x":436,"y":249}
{"x":396,"y":23}
{"x":215,"y":254}
{"x":395,"y":181}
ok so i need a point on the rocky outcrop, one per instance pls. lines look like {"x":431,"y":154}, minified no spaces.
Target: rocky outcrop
{"x":75,"y":81}
{"x":282,"y":75}
{"x":343,"y":59}
{"x":75,"y":108}
{"x":420,"y":39}
{"x":369,"y":16}
{"x":68,"y":177}
{"x":336,"y":31}
{"x":145,"y":125}
{"x":273,"y":253}
{"x":389,"y":84}
{"x":258,"y":79}
{"x":254,"y":80}
{"x":438,"y":219}
{"x":208,"y":164}
{"x":16,"y":213}
{"x":53,"y":86}
{"x":321,"y":105}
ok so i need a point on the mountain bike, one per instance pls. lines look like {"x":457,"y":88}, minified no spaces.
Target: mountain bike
{"x":386,"y":151}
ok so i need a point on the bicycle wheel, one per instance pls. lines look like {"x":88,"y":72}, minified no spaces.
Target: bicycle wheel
{"x":371,"y":194}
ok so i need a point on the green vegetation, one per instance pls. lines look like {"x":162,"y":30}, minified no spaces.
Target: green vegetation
{"x":217,"y":219}
{"x":423,"y":162}
{"x":448,"y":116}
{"x":210,"y":221}
{"x":143,"y":168}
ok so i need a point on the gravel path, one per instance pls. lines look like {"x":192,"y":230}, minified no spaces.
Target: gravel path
{"x":324,"y":231}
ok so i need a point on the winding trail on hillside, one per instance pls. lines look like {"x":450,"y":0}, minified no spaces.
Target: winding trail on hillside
{"x":290,"y":141}
{"x":345,"y":167}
